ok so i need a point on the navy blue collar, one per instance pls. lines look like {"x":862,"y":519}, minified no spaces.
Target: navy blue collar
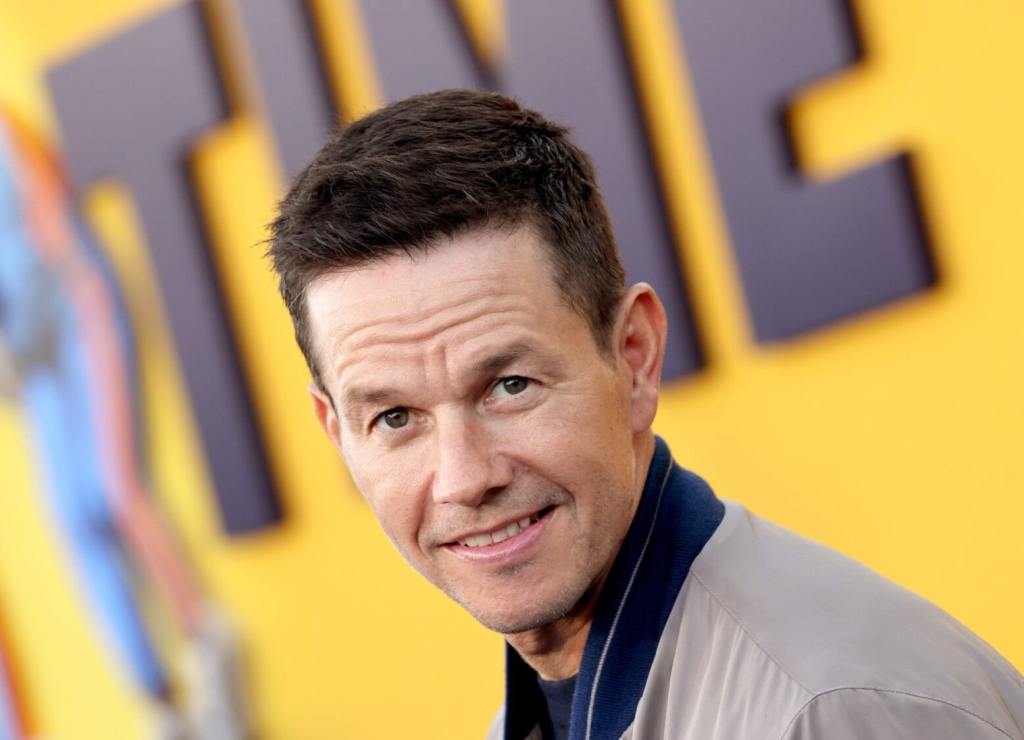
{"x":676,"y":516}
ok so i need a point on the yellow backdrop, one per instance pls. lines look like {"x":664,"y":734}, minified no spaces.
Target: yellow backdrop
{"x":894,"y":437}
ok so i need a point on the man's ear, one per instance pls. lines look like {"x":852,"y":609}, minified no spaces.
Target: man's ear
{"x":640,"y":345}
{"x":323,"y":407}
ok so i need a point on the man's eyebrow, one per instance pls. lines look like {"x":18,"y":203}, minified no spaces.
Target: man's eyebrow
{"x":495,"y":363}
{"x":357,"y":398}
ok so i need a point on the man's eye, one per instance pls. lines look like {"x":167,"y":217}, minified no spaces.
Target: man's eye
{"x":514,"y":384}
{"x":394,"y":418}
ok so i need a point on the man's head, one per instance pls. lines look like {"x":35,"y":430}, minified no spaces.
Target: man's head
{"x":439,"y":165}
{"x":455,"y":287}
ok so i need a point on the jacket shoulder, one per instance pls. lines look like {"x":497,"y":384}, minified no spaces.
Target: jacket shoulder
{"x":861,"y":714}
{"x":831,"y":624}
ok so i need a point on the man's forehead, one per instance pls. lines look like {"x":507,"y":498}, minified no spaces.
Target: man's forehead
{"x":406,"y":287}
{"x":459,"y":314}
{"x":476,"y":251}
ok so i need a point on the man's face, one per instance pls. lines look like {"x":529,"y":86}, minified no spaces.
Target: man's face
{"x":492,"y":438}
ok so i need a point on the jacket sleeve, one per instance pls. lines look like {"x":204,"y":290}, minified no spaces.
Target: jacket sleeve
{"x":867,"y":714}
{"x":497,"y":729}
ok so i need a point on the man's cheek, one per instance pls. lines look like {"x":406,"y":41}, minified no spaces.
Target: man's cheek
{"x":375,"y":471}
{"x":397,"y":531}
{"x":556,"y":428}
{"x":400,"y":515}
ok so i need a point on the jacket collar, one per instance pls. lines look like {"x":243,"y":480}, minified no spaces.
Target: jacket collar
{"x":677,"y":514}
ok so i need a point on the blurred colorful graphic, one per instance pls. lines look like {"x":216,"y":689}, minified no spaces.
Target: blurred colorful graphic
{"x":67,"y":356}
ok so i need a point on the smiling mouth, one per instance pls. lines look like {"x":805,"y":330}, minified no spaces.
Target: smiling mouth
{"x":503,"y":533}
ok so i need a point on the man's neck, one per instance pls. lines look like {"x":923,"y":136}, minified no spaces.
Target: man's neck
{"x":555,"y":650}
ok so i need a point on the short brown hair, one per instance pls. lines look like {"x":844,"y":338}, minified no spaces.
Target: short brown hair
{"x":438,"y":165}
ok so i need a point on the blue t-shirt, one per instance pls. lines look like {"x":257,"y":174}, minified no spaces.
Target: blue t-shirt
{"x":558,"y":696}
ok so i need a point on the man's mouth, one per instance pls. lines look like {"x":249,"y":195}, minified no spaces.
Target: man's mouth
{"x":504,"y":532}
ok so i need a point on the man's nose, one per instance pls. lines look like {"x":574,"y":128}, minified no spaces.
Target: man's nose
{"x":466,"y":468}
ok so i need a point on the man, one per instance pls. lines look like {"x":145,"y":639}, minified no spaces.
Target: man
{"x":478,"y":361}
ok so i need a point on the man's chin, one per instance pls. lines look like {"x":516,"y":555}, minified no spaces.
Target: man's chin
{"x":510,"y":619}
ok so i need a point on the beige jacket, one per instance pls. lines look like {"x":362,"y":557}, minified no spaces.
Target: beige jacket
{"x":772,"y":636}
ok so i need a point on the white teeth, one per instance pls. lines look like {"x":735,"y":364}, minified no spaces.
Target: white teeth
{"x":503,"y":534}
{"x":500,"y":536}
{"x":479,"y":540}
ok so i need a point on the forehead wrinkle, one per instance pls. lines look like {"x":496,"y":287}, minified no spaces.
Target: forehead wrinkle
{"x":459,"y":291}
{"x":457,"y":309}
{"x":397,"y":335}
